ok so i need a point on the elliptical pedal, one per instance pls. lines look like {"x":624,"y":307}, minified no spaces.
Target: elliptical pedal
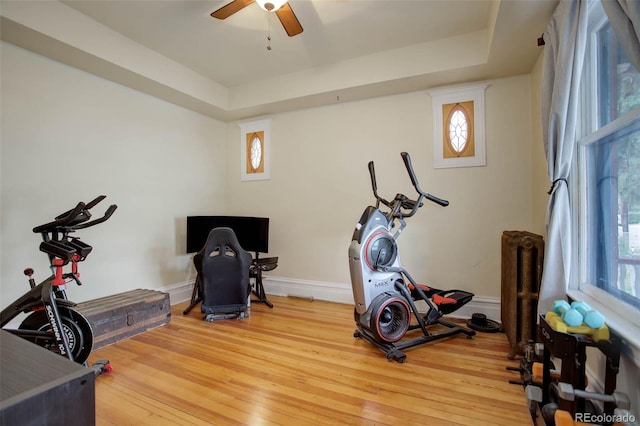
{"x":451,"y":300}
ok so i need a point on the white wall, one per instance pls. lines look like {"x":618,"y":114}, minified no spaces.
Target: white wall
{"x":159,"y":163}
{"x":320,"y":185}
{"x":68,"y":136}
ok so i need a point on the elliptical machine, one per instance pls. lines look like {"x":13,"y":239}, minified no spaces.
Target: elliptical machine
{"x":383,"y":291}
{"x":52,"y":322}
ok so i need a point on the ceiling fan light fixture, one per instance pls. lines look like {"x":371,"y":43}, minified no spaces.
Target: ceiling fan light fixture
{"x":271,"y":5}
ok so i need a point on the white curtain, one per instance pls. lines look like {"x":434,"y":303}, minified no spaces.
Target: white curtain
{"x":624,"y":16}
{"x":565,"y":41}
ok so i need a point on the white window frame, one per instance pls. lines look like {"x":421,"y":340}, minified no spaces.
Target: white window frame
{"x":248,"y":127}
{"x":451,"y":95}
{"x":623,"y":318}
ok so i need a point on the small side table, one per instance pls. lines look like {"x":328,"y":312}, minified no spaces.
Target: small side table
{"x":572,"y":350}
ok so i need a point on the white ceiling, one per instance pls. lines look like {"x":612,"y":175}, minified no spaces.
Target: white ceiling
{"x":233,"y":51}
{"x":350,"y":49}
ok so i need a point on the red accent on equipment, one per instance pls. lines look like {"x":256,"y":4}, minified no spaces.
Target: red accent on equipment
{"x":440,"y":300}
{"x":58,"y":280}
{"x":74,"y":265}
{"x":423,"y":287}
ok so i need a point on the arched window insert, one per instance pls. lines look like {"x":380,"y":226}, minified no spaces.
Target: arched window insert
{"x":255,"y":151}
{"x":460,"y":128}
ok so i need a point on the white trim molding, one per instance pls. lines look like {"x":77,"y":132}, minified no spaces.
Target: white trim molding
{"x":442,"y":97}
{"x":306,"y":289}
{"x":254,"y":127}
{"x":332,"y":292}
{"x":179,"y":292}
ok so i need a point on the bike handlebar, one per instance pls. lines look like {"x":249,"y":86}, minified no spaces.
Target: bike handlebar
{"x":76,"y":218}
{"x":61,"y":220}
{"x":107,"y":214}
{"x":87,"y":206}
{"x":95,"y":201}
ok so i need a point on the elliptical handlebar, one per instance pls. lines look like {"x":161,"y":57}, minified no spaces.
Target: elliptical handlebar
{"x":379,"y":199}
{"x":401,"y":201}
{"x":414,"y":181}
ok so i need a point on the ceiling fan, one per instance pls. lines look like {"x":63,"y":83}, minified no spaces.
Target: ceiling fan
{"x":280,"y":7}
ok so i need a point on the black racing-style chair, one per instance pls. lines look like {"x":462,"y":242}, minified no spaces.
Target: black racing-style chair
{"x":223,"y":275}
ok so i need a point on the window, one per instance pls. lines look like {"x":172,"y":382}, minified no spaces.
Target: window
{"x":607,"y":209}
{"x":255,"y":140}
{"x":458,"y":126}
{"x":255,"y":160}
{"x":460,"y":135}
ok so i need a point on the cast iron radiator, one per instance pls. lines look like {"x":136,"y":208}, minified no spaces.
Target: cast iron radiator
{"x":522,"y":257}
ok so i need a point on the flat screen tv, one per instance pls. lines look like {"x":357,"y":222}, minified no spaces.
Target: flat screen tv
{"x":252,"y":232}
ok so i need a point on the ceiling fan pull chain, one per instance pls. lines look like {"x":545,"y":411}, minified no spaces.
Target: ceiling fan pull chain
{"x":268,"y":31}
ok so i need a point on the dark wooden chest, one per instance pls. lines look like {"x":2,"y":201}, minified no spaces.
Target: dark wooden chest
{"x":123,"y":315}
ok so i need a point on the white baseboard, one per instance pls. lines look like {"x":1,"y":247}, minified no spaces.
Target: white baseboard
{"x":180,"y":292}
{"x":490,"y":306}
{"x":332,"y":292}
{"x":306,"y":289}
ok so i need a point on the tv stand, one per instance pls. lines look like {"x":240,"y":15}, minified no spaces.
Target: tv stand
{"x":195,"y":295}
{"x":257,"y":267}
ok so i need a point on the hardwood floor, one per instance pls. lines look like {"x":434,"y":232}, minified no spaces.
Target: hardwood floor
{"x":299,"y":363}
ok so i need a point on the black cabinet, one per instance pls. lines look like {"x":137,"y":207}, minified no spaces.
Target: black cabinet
{"x":39,"y":387}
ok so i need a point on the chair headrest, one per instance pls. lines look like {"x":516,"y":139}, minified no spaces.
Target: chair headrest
{"x":222,"y":237}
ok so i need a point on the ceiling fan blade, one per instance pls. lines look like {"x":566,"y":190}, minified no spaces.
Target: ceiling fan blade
{"x":289,"y":20}
{"x":229,"y":9}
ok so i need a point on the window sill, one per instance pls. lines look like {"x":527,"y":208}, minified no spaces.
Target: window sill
{"x":628,"y":331}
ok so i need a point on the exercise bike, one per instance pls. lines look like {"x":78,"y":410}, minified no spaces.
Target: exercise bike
{"x":52,"y":322}
{"x":385,"y":294}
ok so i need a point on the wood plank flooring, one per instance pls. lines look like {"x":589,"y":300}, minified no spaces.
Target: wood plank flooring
{"x":299,"y":363}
